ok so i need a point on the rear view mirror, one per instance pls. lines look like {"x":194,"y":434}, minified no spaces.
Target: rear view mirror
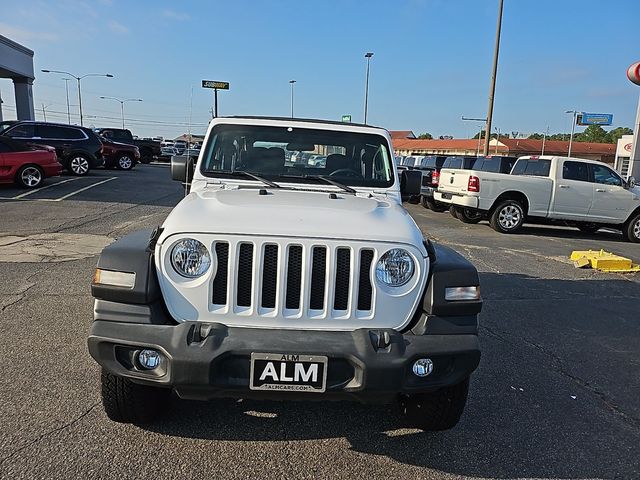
{"x":410,"y":183}
{"x":182,"y":168}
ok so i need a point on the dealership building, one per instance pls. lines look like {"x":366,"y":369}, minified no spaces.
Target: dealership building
{"x":406,"y":144}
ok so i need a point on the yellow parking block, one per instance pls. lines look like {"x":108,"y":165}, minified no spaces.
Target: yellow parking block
{"x":603,"y":261}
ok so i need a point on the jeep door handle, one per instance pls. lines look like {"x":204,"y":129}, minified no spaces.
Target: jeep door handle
{"x":600,"y":190}
{"x":563,"y":186}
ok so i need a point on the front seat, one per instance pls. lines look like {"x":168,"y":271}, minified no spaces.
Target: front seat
{"x":336,"y":161}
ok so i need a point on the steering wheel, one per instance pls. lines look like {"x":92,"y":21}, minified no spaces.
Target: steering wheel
{"x":346,"y":172}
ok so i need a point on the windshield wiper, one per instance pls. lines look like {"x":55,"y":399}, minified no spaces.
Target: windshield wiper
{"x":243,"y":173}
{"x":324,"y":179}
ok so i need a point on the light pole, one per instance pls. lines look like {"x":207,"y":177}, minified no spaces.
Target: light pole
{"x":66,"y":87}
{"x":292,"y":82}
{"x":368,"y":56}
{"x":492,"y":90}
{"x":44,"y":111}
{"x":480,"y":133}
{"x":122,"y":102}
{"x":573,"y":128}
{"x":78,"y":80}
{"x":498,"y":139}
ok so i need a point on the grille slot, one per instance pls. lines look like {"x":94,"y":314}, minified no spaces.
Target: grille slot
{"x":294,"y":277}
{"x":318,"y":278}
{"x":245,"y":274}
{"x":269,"y":276}
{"x":343,"y":274}
{"x":365,"y":290}
{"x":219,"y":296}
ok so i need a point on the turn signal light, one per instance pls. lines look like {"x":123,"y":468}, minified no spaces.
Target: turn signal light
{"x":116,"y":279}
{"x":474,"y":184}
{"x":461,"y":294}
{"x":435,"y":177}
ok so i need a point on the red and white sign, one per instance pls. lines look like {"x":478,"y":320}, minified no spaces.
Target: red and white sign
{"x":633,"y":73}
{"x":625,"y":144}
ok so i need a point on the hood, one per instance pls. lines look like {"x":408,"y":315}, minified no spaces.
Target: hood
{"x":290,"y":213}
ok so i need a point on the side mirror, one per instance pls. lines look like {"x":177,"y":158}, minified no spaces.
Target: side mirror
{"x":631,"y":182}
{"x":410,"y":183}
{"x":182,"y":168}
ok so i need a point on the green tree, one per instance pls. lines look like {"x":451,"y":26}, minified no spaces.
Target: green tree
{"x":425,"y":136}
{"x":614,"y":135}
{"x":593,"y":133}
{"x":536,"y":136}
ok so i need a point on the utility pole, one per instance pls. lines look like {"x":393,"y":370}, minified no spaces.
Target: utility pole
{"x":368,"y":56}
{"x":545,"y":134}
{"x":292,"y":82}
{"x":492,"y":90}
{"x":44,"y":113}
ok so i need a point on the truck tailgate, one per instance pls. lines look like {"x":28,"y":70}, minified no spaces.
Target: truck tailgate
{"x":454,"y":180}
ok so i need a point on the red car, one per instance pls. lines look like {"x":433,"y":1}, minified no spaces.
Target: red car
{"x":27,"y":165}
{"x":119,"y":155}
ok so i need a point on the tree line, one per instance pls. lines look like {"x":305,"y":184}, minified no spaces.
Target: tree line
{"x":593,"y":133}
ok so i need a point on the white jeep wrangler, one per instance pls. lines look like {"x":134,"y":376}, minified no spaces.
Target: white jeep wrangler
{"x":279,"y":279}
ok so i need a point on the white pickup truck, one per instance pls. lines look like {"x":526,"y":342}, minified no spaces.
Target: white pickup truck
{"x":545,"y":189}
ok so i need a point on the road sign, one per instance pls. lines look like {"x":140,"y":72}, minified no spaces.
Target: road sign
{"x":594,"y":118}
{"x":346,"y":118}
{"x":215,"y":84}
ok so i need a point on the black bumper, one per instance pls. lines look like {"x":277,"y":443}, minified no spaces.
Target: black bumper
{"x":205,"y":361}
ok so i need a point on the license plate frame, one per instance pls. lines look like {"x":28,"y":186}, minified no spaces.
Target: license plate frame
{"x":291,"y":378}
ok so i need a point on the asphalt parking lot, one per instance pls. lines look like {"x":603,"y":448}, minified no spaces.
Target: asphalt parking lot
{"x":557,"y":393}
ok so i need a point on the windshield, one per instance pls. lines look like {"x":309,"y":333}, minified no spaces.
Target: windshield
{"x":298,"y":155}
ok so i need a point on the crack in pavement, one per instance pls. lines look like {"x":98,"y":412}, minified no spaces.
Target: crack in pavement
{"x":68,"y":226}
{"x":558,"y":366}
{"x":50,"y":432}
{"x":23,"y":293}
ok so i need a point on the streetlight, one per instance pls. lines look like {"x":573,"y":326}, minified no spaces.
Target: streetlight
{"x":494,"y":73}
{"x":573,"y":128}
{"x":466,"y":119}
{"x":66,"y":87}
{"x":368,"y":56}
{"x":78,"y":80}
{"x":122,"y":104}
{"x":291,"y":82}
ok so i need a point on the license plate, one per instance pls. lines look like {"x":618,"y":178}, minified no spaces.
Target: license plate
{"x":447,"y":196}
{"x":288,"y":373}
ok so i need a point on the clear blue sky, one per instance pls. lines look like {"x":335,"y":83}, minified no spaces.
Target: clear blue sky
{"x":431,"y":65}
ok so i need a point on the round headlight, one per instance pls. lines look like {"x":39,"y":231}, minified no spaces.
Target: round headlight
{"x":395,"y":267}
{"x":190,"y":258}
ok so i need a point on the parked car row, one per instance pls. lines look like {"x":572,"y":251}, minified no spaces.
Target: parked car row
{"x":70,"y":147}
{"x":585,"y":194}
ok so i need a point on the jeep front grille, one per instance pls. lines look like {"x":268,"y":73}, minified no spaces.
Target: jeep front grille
{"x":328,"y":285}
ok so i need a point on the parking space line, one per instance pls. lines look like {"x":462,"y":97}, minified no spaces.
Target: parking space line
{"x":22,"y":195}
{"x":80,"y":190}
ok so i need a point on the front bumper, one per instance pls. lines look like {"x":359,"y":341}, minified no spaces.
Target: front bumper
{"x":203,"y":361}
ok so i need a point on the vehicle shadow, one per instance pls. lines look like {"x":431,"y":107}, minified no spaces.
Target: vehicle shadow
{"x":556,"y":231}
{"x":557,"y":426}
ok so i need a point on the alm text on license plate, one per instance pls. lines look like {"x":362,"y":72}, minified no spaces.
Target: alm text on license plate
{"x":288,"y":372}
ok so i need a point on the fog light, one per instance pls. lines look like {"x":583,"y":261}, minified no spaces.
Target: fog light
{"x":149,"y":359}
{"x":423,"y":367}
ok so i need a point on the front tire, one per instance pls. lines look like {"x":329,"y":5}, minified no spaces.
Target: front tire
{"x":79,"y":165}
{"x":124,"y":162}
{"x":507,"y":217}
{"x":440,"y":410}
{"x":467,"y":215}
{"x":30,"y":176}
{"x":631,"y":231}
{"x":128,"y":402}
